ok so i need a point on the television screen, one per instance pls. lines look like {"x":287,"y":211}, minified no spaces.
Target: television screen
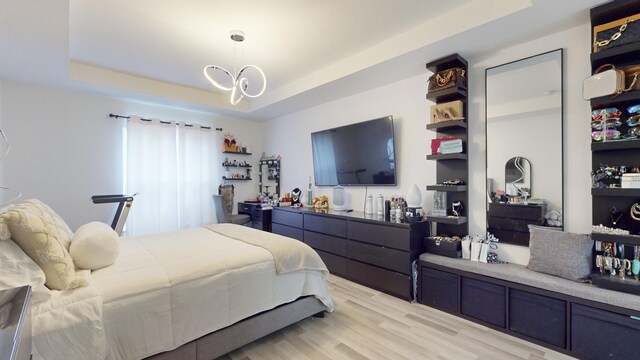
{"x":356,"y":154}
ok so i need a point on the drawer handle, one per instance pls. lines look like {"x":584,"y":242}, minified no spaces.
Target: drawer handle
{"x":635,"y":318}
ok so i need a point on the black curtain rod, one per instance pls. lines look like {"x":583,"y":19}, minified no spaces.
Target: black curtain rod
{"x":161,"y":122}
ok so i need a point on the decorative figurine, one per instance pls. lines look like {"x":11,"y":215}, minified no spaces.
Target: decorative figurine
{"x":295,"y":197}
{"x":321,"y":202}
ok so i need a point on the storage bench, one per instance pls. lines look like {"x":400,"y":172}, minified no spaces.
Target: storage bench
{"x":574,"y":318}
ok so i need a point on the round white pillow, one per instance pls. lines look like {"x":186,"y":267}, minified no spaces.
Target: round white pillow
{"x":94,"y":245}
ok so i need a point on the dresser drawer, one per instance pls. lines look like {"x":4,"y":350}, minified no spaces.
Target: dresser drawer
{"x":528,"y":212}
{"x":244,"y":208}
{"x":538,"y":317}
{"x":336,"y":264}
{"x":331,"y":244}
{"x":325,"y":225}
{"x":391,"y":259}
{"x":288,"y":231}
{"x":287,"y":218}
{"x":387,"y":236}
{"x":513,"y":224}
{"x":383,"y":280}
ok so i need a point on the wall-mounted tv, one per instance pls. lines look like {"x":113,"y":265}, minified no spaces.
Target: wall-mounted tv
{"x":356,"y":154}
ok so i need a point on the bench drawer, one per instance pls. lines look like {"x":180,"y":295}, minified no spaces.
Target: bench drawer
{"x":387,"y":236}
{"x":538,"y":317}
{"x":439,"y":289}
{"x":483,"y":301}
{"x":288,"y":218}
{"x":599,"y":334}
{"x":325,"y":225}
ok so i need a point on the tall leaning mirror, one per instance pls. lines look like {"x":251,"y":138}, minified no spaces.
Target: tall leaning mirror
{"x":524,"y":146}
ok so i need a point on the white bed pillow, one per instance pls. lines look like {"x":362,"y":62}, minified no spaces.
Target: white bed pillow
{"x":45,"y":237}
{"x":94,"y":245}
{"x":17,"y":269}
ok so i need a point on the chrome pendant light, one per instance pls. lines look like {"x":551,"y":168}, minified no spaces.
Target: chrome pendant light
{"x":239,"y":82}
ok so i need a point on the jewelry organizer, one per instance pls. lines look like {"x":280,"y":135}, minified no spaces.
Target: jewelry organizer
{"x":452,"y":170}
{"x":616,"y":208}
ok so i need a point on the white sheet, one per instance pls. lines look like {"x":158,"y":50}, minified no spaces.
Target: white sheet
{"x":168,"y":289}
{"x":69,"y":325}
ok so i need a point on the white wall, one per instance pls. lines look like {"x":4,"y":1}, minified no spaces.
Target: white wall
{"x":289,"y":135}
{"x":65,"y":148}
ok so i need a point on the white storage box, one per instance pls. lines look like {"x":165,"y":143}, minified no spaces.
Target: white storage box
{"x":630,"y":181}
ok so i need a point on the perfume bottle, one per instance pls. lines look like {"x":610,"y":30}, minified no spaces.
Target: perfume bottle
{"x":368,"y":204}
{"x":380,"y":204}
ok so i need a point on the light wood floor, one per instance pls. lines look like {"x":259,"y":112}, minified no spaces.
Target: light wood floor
{"x":368,"y":324}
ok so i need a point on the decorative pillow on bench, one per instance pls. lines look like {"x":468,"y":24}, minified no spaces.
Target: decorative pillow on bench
{"x":564,"y":254}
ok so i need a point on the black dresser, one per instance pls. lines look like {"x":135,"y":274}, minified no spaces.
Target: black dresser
{"x":364,"y":249}
{"x":510,"y":222}
{"x":260,"y":218}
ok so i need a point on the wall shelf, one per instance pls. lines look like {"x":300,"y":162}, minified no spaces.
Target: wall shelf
{"x":625,"y":239}
{"x":615,"y":145}
{"x":621,"y":100}
{"x":238,"y":179}
{"x":452,"y":220}
{"x":447,"y":188}
{"x":236,"y":153}
{"x":451,"y":166}
{"x":615,"y":192}
{"x":447,"y":125}
{"x":447,"y":157}
{"x":238,"y":166}
{"x":628,"y":285}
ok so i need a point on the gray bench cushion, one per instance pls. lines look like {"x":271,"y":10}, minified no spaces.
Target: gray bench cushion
{"x":521,"y":275}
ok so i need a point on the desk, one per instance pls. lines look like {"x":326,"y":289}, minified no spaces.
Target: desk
{"x":260,"y":219}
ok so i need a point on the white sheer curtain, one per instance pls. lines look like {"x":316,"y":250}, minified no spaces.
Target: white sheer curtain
{"x":171,"y":168}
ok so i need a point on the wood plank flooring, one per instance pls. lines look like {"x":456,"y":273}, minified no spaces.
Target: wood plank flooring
{"x":368,"y":324}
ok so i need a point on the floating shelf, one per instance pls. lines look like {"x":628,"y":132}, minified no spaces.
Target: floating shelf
{"x":616,"y":55}
{"x":453,"y":220}
{"x":447,"y":188}
{"x":451,"y":124}
{"x":615,"y":192}
{"x":247,"y":166}
{"x":623,"y":239}
{"x":615,"y":145}
{"x":622,"y":99}
{"x":236,"y":152}
{"x":239,"y":179}
{"x":452,"y":93}
{"x":628,"y":285}
{"x":447,"y":157}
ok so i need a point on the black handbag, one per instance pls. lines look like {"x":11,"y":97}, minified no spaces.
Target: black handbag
{"x":616,"y":33}
{"x":444,"y":245}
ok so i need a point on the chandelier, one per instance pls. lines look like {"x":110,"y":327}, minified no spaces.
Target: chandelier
{"x":239,"y":81}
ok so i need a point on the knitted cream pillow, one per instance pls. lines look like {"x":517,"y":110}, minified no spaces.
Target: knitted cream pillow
{"x":45,"y":237}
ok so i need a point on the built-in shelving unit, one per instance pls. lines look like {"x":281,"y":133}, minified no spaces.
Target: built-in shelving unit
{"x":615,"y":153}
{"x":450,"y":166}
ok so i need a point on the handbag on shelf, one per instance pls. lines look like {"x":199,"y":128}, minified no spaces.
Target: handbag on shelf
{"x":631,"y":74}
{"x":447,"y":79}
{"x":604,"y":82}
{"x":616,"y":33}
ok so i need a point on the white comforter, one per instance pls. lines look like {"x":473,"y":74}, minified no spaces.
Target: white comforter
{"x":168,"y":289}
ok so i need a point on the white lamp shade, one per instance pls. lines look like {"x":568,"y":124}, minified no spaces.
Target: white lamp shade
{"x":414,"y":197}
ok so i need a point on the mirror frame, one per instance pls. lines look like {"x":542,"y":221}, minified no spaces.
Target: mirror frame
{"x":562,"y":120}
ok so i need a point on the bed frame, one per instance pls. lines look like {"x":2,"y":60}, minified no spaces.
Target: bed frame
{"x":223,"y":341}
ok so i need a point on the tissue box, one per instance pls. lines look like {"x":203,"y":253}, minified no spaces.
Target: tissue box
{"x":630,"y":181}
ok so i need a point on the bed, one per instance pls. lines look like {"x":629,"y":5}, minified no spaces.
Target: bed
{"x":192,"y":294}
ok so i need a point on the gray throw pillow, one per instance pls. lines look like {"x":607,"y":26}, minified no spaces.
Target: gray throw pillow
{"x":560,"y":253}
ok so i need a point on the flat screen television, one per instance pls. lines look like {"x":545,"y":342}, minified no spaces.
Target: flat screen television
{"x":356,"y":154}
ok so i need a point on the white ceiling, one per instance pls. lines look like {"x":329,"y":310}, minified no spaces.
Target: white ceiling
{"x":312,"y":51}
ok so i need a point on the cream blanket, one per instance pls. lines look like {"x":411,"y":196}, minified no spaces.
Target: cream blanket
{"x":289,"y":255}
